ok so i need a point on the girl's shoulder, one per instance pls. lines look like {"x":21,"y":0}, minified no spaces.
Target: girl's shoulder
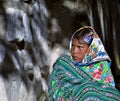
{"x":62,"y":59}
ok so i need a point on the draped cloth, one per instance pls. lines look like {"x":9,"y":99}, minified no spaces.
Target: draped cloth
{"x":88,"y":80}
{"x":70,"y":82}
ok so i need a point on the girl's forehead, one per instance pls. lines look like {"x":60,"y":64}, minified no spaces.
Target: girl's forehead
{"x":80,"y":41}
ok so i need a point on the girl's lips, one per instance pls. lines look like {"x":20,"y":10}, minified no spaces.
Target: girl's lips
{"x":75,"y":58}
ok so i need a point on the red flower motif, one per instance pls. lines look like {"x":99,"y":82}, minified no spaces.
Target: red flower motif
{"x":109,"y":79}
{"x":97,"y":74}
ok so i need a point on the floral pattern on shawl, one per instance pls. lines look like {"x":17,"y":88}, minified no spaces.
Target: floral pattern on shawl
{"x":69,"y":82}
{"x":96,"y":53}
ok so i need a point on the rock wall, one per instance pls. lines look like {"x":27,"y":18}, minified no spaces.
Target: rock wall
{"x":24,"y":51}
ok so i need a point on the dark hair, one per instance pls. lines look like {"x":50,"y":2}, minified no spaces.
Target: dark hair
{"x":80,"y":34}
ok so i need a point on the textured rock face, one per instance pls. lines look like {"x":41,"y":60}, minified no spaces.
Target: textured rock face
{"x":24,"y":51}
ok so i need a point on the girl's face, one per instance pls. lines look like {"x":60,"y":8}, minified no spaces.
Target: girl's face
{"x":78,"y":50}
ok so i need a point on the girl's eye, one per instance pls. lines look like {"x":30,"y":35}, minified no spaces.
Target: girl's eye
{"x":80,"y":47}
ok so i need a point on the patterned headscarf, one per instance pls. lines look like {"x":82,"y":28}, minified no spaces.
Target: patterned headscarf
{"x":96,"y":51}
{"x":96,"y":61}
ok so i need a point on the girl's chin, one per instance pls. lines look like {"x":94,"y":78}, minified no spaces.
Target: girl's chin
{"x":76,"y":60}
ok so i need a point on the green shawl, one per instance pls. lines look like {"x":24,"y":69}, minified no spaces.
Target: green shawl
{"x":70,"y":82}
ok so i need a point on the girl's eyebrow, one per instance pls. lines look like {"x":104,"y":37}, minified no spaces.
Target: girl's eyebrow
{"x":77,"y":45}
